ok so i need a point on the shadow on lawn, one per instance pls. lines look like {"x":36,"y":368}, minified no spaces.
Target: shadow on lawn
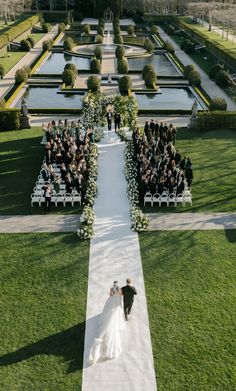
{"x":68,"y":344}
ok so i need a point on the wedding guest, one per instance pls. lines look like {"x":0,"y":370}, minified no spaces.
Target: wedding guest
{"x":117,"y":120}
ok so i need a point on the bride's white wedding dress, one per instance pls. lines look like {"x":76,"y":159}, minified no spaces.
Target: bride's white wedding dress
{"x":108,"y":343}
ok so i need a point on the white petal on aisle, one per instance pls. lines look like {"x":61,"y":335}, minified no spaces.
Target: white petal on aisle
{"x":115,"y":255}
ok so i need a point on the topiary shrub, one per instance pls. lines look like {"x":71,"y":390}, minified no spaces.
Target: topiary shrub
{"x":150,"y":79}
{"x":67,"y":19}
{"x":25,"y":45}
{"x":46,"y":27}
{"x":189,"y":68}
{"x":99,"y":39}
{"x":98,"y":52}
{"x":148,"y":45}
{"x":31,"y":40}
{"x":154,"y":29}
{"x":61,"y":27}
{"x":86,"y":29}
{"x":68,"y":77}
{"x":2,"y":71}
{"x":68,"y":44}
{"x":146,"y":69}
{"x":101,"y":23}
{"x":218,"y":104}
{"x":72,"y":68}
{"x":95,"y":65}
{"x":222,"y":79}
{"x":100,"y":31}
{"x":118,"y":40}
{"x":214,"y":70}
{"x":120,"y":51}
{"x":47,"y":45}
{"x":93,"y":84}
{"x":122,"y":65}
{"x":194,"y":78}
{"x":125,"y":85}
{"x":168,"y":47}
{"x":117,"y":30}
{"x":21,"y":76}
{"x":170,"y":30}
{"x":27,"y":69}
{"x":189,"y":48}
{"x":130,"y":29}
{"x":184,"y":43}
{"x":10,"y":119}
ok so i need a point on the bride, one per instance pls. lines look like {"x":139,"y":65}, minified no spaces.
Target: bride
{"x":108,"y":343}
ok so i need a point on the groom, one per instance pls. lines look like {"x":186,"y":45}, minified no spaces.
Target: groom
{"x":128,"y":292}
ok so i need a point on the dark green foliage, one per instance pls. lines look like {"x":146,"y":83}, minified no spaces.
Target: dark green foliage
{"x":154,"y":29}
{"x":150,"y":79}
{"x":125,"y":85}
{"x":117,"y":30}
{"x":95,"y":65}
{"x":218,"y":104}
{"x":214,"y":70}
{"x":46,"y":27}
{"x":184,"y":43}
{"x":222,"y":79}
{"x":98,"y":52}
{"x":169,"y":29}
{"x":99,"y":38}
{"x":189,"y":68}
{"x":68,"y":44}
{"x":101,"y":23}
{"x":86,"y":29}
{"x":2,"y":71}
{"x":31,"y":40}
{"x":93,"y":83}
{"x":9,"y":119}
{"x":120,"y":51}
{"x":118,"y":40}
{"x":130,"y":29}
{"x":169,"y":47}
{"x":47,"y":45}
{"x":68,"y":77}
{"x":189,"y":47}
{"x":217,"y":120}
{"x":147,"y":68}
{"x":148,"y":45}
{"x":194,"y":78}
{"x":100,"y":31}
{"x":122,"y":65}
{"x":61,"y":27}
{"x":72,"y":68}
{"x":25,"y":45}
{"x":21,"y":76}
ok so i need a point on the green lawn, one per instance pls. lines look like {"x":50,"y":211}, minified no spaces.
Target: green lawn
{"x":43,"y":294}
{"x":21,"y":157}
{"x":37,"y":36}
{"x":190,"y":287}
{"x":214,"y":167}
{"x":10,"y":59}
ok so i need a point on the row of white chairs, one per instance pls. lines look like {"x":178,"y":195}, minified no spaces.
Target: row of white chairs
{"x":67,"y":198}
{"x":168,"y":199}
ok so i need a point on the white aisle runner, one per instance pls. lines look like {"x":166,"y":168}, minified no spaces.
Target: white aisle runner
{"x":115,"y":255}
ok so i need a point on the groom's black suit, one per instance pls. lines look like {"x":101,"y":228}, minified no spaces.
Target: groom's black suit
{"x":128,"y":292}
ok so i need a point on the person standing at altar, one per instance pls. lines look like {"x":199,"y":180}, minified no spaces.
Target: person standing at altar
{"x":117,"y":120}
{"x":109,"y":116}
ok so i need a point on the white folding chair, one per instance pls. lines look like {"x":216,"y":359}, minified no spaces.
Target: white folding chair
{"x":188,"y":198}
{"x":148,"y":198}
{"x":35,"y":199}
{"x":76,"y":198}
{"x":68,"y":199}
{"x":172,"y":199}
{"x":59,"y":199}
{"x":156,"y":198}
{"x":179,"y":199}
{"x":164,"y":198}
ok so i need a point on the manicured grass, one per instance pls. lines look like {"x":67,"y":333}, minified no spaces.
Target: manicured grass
{"x":214,"y":168}
{"x":37,"y":36}
{"x":190,"y":288}
{"x":10,"y":59}
{"x":21,"y":157}
{"x":43,"y":309}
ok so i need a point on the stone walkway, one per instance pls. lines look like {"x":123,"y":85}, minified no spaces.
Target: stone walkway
{"x":9,"y":79}
{"x":209,"y":86}
{"x":115,"y":254}
{"x":191,"y":221}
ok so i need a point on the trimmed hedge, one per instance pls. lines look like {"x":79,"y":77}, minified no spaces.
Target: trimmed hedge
{"x":216,"y":120}
{"x":122,"y":65}
{"x":99,"y":38}
{"x":150,"y":79}
{"x":218,"y":104}
{"x":120,"y":51}
{"x":61,"y":27}
{"x":46,"y":27}
{"x":86,"y":29}
{"x":21,"y":76}
{"x":154,"y":29}
{"x":98,"y":52}
{"x":2,"y":71}
{"x":93,"y":83}
{"x":148,"y":45}
{"x":47,"y":45}
{"x":118,"y":40}
{"x":100,"y":31}
{"x":125,"y":85}
{"x":9,"y":119}
{"x":72,"y":68}
{"x":25,"y":45}
{"x":68,"y":44}
{"x":147,"y":68}
{"x":130,"y":29}
{"x":68,"y":77}
{"x":95,"y":65}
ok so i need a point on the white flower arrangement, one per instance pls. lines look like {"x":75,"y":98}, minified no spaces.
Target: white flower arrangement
{"x":139,"y":221}
{"x":86,"y":231}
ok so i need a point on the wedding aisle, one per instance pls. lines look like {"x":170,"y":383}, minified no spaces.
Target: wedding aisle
{"x":115,"y":255}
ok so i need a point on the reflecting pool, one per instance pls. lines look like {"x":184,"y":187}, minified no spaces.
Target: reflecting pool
{"x":56,"y":62}
{"x":160,"y":62}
